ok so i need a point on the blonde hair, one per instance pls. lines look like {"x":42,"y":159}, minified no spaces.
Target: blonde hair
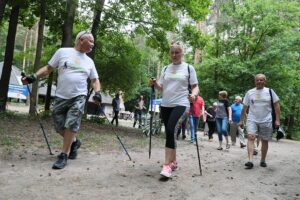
{"x":223,"y":94}
{"x":177,"y":45}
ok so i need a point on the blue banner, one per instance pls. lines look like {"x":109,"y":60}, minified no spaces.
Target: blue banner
{"x":17,"y":91}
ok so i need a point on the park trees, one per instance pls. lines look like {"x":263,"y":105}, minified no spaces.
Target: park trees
{"x":255,"y":37}
{"x":9,"y":49}
{"x":118,"y":21}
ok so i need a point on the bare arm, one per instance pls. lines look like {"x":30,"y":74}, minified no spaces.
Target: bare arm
{"x":95,"y":83}
{"x":195,"y":92}
{"x":243,"y":115}
{"x":154,"y":83}
{"x":208,"y":114}
{"x":277,"y":113}
{"x":44,"y":71}
{"x":229,"y":114}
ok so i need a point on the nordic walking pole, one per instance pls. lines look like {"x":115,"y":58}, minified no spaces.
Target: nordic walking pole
{"x":120,"y":141}
{"x":37,"y":114}
{"x":198,"y":154}
{"x":197,"y":145}
{"x":151,"y":116}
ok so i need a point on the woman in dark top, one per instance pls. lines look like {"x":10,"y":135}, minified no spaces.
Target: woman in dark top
{"x":211,"y":120}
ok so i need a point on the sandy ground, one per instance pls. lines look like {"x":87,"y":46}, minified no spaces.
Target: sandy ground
{"x":111,"y":176}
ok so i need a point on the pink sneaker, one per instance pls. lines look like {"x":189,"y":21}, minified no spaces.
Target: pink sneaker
{"x":174,"y":165}
{"x":166,"y":171}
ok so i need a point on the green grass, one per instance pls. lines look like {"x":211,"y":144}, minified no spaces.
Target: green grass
{"x":7,"y":141}
{"x":21,"y":131}
{"x":296,"y":135}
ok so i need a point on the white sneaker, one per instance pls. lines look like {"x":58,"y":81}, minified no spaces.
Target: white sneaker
{"x":166,"y":171}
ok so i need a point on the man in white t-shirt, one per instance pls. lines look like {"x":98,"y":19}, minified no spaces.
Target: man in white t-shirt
{"x":74,"y":68}
{"x":259,"y":121}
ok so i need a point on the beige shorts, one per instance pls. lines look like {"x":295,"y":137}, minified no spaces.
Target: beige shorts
{"x":262,"y":130}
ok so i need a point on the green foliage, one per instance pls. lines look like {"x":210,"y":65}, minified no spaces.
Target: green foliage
{"x":255,"y":37}
{"x":95,"y":119}
{"x":194,"y":37}
{"x":296,"y":135}
{"x":118,"y":66}
{"x":21,"y":3}
{"x":6,"y":140}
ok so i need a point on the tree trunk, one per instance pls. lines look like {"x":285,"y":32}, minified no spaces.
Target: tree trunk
{"x":96,"y":23}
{"x":9,"y":52}
{"x":289,"y":122}
{"x":2,"y":8}
{"x":68,"y":24}
{"x":66,"y":42}
{"x":38,"y":54}
{"x":25,"y":48}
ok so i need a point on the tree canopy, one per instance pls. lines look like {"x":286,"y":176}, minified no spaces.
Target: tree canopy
{"x":236,"y":40}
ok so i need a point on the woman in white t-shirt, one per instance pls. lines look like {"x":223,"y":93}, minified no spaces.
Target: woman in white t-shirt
{"x":174,"y":83}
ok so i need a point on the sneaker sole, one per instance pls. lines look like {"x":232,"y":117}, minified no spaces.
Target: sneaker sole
{"x":166,"y":175}
{"x":55,"y":167}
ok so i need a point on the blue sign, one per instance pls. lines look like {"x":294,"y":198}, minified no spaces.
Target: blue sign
{"x":156,"y":101}
{"x":156,"y":104}
{"x":17,"y":91}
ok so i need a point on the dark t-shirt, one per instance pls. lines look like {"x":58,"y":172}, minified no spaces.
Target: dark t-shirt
{"x":212,"y":112}
{"x":116,"y":104}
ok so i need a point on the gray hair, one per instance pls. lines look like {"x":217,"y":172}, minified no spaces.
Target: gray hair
{"x":238,"y":97}
{"x":261,"y":75}
{"x":82,"y":34}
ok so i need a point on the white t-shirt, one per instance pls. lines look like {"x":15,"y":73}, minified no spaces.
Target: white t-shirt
{"x":73,"y":70}
{"x":174,"y":81}
{"x":259,"y":102}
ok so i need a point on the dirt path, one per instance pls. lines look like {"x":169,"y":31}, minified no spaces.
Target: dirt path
{"x":109,"y":175}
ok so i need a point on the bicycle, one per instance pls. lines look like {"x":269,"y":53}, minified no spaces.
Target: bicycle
{"x":156,"y":125}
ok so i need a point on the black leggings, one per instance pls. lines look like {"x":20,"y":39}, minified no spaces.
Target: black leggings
{"x":211,"y":128}
{"x":172,"y":117}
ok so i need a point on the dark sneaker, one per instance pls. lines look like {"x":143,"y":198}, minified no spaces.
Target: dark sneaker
{"x":255,"y":152}
{"x":263,"y":164}
{"x":243,"y":145}
{"x":75,"y":146}
{"x":227,"y":146}
{"x":249,"y":165}
{"x":61,"y":162}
